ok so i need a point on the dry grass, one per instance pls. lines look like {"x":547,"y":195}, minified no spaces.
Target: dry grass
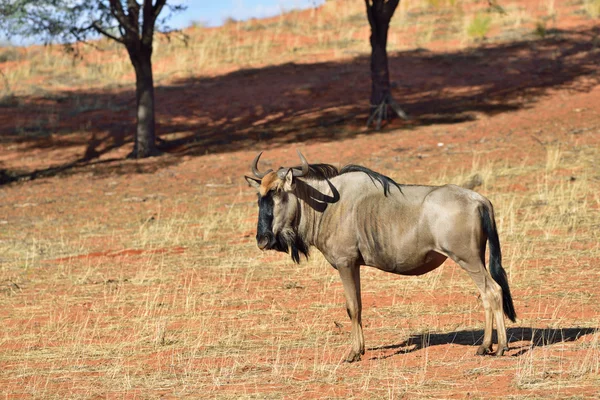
{"x":119,"y":287}
{"x":335,"y":30}
{"x":198,"y":310}
{"x":592,"y":7}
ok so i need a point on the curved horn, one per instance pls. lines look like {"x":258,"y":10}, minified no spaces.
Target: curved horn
{"x":255,"y":170}
{"x":304,"y":171}
{"x":282,"y":172}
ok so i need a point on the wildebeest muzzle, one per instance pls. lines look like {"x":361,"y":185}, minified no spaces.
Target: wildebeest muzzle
{"x":265,"y":239}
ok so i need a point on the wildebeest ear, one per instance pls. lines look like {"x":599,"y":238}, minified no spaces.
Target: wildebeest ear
{"x":255,"y":183}
{"x":288,"y":181}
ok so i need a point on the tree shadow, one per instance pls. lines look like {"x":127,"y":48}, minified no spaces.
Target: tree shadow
{"x":536,"y":337}
{"x":293,"y":103}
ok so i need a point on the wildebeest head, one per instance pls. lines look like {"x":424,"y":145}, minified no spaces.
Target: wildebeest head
{"x":278,"y":208}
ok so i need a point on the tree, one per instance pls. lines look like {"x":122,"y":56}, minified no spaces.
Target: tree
{"x":129,"y":22}
{"x":379,"y":13}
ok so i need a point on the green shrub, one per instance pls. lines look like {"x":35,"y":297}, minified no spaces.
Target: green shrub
{"x":480,"y":26}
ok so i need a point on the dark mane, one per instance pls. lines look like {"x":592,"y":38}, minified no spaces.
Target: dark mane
{"x":325,"y":171}
{"x":385,"y":181}
{"x":320,"y":171}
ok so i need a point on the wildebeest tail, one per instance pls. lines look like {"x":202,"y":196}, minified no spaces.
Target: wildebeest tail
{"x":495,"y":265}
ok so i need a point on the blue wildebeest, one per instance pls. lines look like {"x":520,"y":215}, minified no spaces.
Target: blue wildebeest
{"x":356,"y":216}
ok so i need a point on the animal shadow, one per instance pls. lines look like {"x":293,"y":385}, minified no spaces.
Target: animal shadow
{"x":536,"y":338}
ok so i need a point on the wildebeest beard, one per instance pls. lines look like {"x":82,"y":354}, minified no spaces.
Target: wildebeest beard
{"x":289,"y":241}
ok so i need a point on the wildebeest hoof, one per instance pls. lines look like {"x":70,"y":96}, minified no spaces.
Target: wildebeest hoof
{"x":483,"y":350}
{"x":352,"y":357}
{"x":501,"y":351}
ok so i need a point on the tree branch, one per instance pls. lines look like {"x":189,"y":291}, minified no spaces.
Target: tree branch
{"x":104,"y":32}
{"x":133,"y":9}
{"x":384,"y":9}
{"x":369,"y":13}
{"x":148,"y":23}
{"x":390,"y":7}
{"x":158,"y":7}
{"x":116,"y":9}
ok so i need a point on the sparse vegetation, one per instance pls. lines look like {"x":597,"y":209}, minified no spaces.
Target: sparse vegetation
{"x":168,"y":297}
{"x":592,"y":7}
{"x":479,"y":26}
{"x":9,"y":53}
{"x":141,"y":279}
{"x":255,"y":43}
{"x":540,"y":28}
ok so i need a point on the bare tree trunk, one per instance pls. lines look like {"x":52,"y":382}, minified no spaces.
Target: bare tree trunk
{"x":379,"y":13}
{"x":380,"y":76}
{"x":145,"y":137}
{"x":137,"y":38}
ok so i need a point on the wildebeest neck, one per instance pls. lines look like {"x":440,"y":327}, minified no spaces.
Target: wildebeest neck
{"x":315,"y":197}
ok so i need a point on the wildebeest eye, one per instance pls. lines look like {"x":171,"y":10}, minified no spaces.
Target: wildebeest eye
{"x":278,"y":195}
{"x":269,"y":195}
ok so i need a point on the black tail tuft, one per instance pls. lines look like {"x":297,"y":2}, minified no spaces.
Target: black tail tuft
{"x":498,"y":273}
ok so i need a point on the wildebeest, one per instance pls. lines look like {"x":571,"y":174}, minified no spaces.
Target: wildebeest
{"x":356,"y":216}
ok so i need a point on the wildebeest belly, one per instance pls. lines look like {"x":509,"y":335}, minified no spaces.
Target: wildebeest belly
{"x":415,"y":264}
{"x":431,"y":262}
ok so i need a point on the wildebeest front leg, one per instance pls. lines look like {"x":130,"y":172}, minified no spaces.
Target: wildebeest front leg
{"x":350,"y":275}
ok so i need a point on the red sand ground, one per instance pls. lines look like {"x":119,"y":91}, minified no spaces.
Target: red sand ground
{"x":506,"y":102}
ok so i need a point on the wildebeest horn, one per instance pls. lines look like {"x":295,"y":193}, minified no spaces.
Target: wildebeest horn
{"x":304,"y":166}
{"x":255,"y":170}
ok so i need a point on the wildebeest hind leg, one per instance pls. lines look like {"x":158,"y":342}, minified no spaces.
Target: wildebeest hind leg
{"x":350,"y":275}
{"x":493,"y":297}
{"x":483,"y":280}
